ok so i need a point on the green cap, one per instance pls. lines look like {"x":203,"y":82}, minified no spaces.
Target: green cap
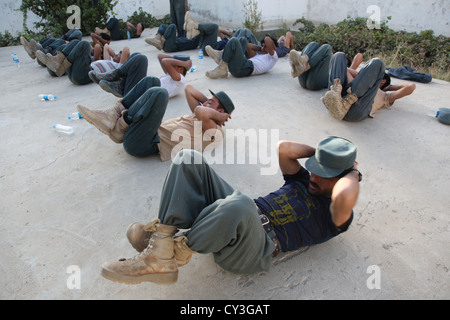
{"x":224,"y":100}
{"x":333,"y":156}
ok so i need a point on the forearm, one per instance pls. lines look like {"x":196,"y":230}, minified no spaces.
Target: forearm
{"x":399,"y":91}
{"x":125,"y":55}
{"x":225,"y":32}
{"x":289,"y":152}
{"x":210,"y":118}
{"x":344,"y":197}
{"x":161,"y":57}
{"x":270,"y":45}
{"x":194,"y":97}
{"x":253,"y":49}
{"x":353,"y":72}
{"x":170,"y":65}
{"x":205,"y":114}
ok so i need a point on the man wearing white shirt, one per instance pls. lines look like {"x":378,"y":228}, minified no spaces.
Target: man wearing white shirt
{"x":175,"y":68}
{"x":233,"y":59}
{"x":111,"y":60}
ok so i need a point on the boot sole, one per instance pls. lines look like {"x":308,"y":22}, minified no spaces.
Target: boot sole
{"x":86,"y":117}
{"x":331,"y":100}
{"x":297,"y":64}
{"x":293,"y":60}
{"x":106,"y":88}
{"x":41,"y":57}
{"x":215,"y":77}
{"x":211,"y":76}
{"x":191,"y":32}
{"x":27,"y":45}
{"x":52,"y":66}
{"x":158,"y":278}
{"x":59,"y":70}
{"x":187,"y":17}
{"x":92,"y":76}
{"x":212,"y":54}
{"x":155,"y":43}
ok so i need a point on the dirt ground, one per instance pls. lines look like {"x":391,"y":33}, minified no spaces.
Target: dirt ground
{"x":66,"y":201}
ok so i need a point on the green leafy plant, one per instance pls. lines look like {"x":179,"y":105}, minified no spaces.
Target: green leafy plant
{"x":7,"y":39}
{"x":147,"y":19}
{"x":253,"y":16}
{"x":54,"y":17}
{"x":423,"y":51}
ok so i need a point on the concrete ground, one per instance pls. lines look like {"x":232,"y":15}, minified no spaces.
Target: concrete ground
{"x":66,"y":201}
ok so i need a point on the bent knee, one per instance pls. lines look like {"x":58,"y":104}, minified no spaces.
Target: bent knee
{"x":377,"y":62}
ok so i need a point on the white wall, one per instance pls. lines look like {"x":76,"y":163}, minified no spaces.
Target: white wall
{"x":231,"y":12}
{"x":410,"y":15}
{"x":11,"y":20}
{"x":157,"y":8}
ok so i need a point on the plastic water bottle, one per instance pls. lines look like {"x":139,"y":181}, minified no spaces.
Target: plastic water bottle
{"x":75,"y":116}
{"x":47,"y":97}
{"x":443,"y":115}
{"x":63,"y":129}
{"x":128,"y":35}
{"x":200,"y":56}
{"x":192,"y":69}
{"x":15,"y":59}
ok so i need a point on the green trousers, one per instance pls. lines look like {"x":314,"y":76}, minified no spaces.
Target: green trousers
{"x":221,"y":220}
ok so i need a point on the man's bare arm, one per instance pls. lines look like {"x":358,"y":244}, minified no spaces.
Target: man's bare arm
{"x":253,"y":49}
{"x":289,"y":152}
{"x":270,"y":45}
{"x":194,"y":97}
{"x":210,"y":118}
{"x":343,"y":198}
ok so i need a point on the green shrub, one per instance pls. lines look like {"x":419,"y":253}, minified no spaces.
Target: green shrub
{"x":423,"y":51}
{"x":7,"y":39}
{"x":54,"y":16}
{"x":147,"y":19}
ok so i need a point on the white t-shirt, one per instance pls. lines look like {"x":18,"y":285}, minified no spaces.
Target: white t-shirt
{"x":173,"y":87}
{"x":263,"y":63}
{"x":103,"y":66}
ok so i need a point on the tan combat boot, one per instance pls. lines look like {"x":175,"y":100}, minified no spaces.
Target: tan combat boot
{"x":58,"y":64}
{"x":216,"y":55}
{"x":118,"y":132}
{"x":42,"y":57}
{"x":103,"y":120}
{"x":155,"y":264}
{"x":220,"y":72}
{"x":158,"y":41}
{"x":183,"y":253}
{"x":299,"y":63}
{"x":190,"y":26}
{"x":29,"y":48}
{"x":337,"y":105}
{"x":139,"y":236}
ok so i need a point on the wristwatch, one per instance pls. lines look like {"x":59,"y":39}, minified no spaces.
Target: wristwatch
{"x":359,"y":174}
